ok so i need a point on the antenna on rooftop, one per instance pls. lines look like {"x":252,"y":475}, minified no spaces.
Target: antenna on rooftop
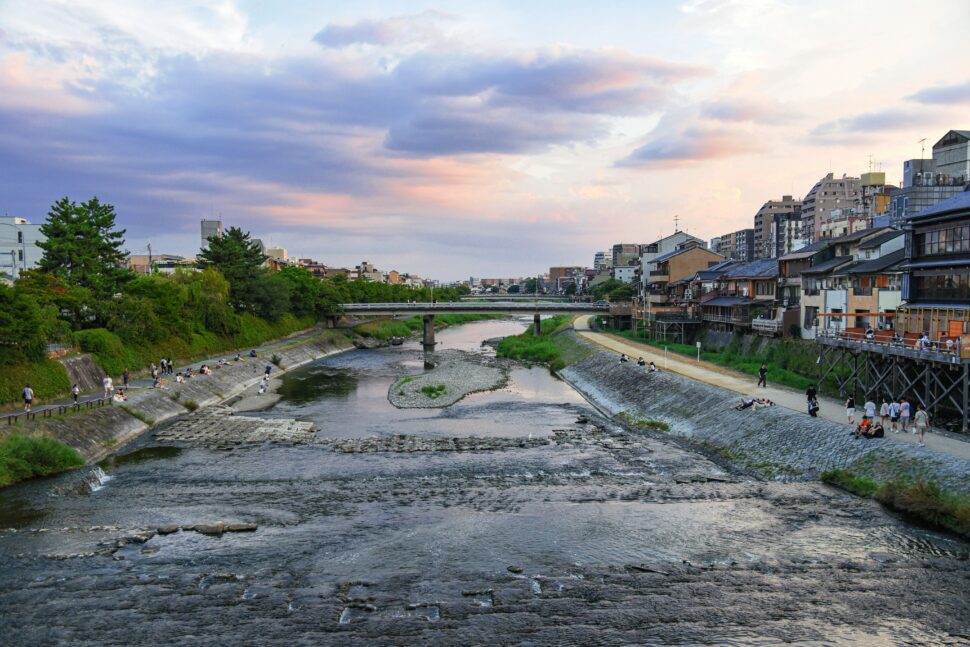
{"x":870,"y":162}
{"x":676,"y":221}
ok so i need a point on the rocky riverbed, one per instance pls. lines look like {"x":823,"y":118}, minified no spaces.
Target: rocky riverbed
{"x":519,"y":516}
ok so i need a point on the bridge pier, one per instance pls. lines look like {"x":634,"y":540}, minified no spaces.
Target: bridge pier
{"x":536,"y":324}
{"x":429,"y":333}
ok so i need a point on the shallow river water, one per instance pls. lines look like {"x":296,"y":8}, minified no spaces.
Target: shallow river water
{"x":598,"y":536}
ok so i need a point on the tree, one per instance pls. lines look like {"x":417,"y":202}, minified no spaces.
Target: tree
{"x":514,"y":289}
{"x":83,"y":247}
{"x":600,"y":291}
{"x":24,"y":327}
{"x":570,"y":290}
{"x":207,"y":301}
{"x":622,"y":293}
{"x":240,"y":260}
{"x":529,"y":286}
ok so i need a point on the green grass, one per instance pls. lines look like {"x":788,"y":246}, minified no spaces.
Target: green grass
{"x":923,"y":500}
{"x":48,"y":378}
{"x":434,"y":391}
{"x":790,"y":363}
{"x":24,"y":457}
{"x":138,"y":414}
{"x":114,"y":355}
{"x":549,"y":347}
{"x":643,"y":423}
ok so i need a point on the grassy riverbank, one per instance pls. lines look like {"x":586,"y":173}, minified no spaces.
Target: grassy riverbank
{"x":790,"y":362}
{"x":549,"y":347}
{"x":387,"y":328}
{"x":24,"y":457}
{"x":922,"y":500}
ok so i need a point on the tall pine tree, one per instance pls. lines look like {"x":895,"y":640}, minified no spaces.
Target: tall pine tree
{"x":83,"y":247}
{"x":240,"y":260}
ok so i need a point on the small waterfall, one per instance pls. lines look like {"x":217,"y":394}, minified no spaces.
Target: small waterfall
{"x":96,"y":480}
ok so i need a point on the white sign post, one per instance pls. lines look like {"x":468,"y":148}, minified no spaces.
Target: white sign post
{"x":698,"y":351}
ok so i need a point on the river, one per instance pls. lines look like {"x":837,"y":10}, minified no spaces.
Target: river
{"x":598,"y":537}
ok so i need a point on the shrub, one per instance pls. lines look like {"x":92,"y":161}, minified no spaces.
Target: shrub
{"x":850,"y":482}
{"x":24,"y":457}
{"x":435,"y":391}
{"x":276,"y":360}
{"x":191,"y":405}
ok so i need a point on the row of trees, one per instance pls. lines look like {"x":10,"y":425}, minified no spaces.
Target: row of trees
{"x":79,"y":284}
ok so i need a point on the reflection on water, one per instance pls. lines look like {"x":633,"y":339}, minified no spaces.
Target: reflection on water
{"x":317,"y":382}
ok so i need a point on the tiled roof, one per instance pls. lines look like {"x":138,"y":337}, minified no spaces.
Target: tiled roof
{"x":880,"y":264}
{"x":959,"y":202}
{"x":806,"y":251}
{"x":879,"y":240}
{"x":858,"y":235}
{"x":828,"y":266}
{"x":763,"y":268}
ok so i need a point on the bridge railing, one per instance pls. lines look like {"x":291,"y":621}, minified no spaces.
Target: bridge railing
{"x":463,"y":306}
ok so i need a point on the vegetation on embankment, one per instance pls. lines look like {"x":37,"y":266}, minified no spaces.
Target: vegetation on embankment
{"x":46,"y":377}
{"x":24,"y":457}
{"x":919,"y":499}
{"x":549,"y":346}
{"x":387,"y":328}
{"x":790,"y":362}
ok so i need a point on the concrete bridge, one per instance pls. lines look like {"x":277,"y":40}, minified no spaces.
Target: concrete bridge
{"x":513,"y":297}
{"x":429,"y":310}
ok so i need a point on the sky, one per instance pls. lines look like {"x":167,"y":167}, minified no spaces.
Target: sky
{"x":463,"y":138}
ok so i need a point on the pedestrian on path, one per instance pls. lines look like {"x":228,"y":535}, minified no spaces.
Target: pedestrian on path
{"x":870,"y":408}
{"x":850,"y":410}
{"x":905,"y":414}
{"x":763,"y":376}
{"x":125,"y":378}
{"x":108,"y":386}
{"x":894,"y":415}
{"x":922,"y":420}
{"x":884,"y":413}
{"x":75,"y":391}
{"x":28,"y":398}
{"x":811,"y":395}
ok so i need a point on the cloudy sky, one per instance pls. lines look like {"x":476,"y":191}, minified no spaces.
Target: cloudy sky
{"x":466,"y":138}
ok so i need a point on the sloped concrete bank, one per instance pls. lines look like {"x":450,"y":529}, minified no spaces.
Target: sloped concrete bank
{"x":97,"y":433}
{"x":772,"y":443}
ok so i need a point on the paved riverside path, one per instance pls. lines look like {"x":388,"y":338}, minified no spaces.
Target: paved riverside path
{"x":747,"y":386}
{"x":146,"y":382}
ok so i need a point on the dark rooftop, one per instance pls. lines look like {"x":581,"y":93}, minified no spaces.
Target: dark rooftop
{"x":880,"y":240}
{"x":762,"y":268}
{"x":880,"y":264}
{"x":728,"y":301}
{"x":828,"y":266}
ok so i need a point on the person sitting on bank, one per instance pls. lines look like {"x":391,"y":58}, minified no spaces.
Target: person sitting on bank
{"x":623,"y":358}
{"x":119,"y":396}
{"x":744,"y":404}
{"x":641,"y":362}
{"x":653,"y":368}
{"x":252,"y":353}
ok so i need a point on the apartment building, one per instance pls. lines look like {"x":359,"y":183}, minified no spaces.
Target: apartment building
{"x":669,"y":275}
{"x":828,"y":194}
{"x":18,"y":245}
{"x":738,"y":245}
{"x":662,"y":246}
{"x":770,"y":226}
{"x":927,"y":182}
{"x":743,"y":291}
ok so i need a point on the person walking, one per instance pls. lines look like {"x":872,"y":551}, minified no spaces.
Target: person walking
{"x":763,"y":376}
{"x":884,"y":410}
{"x":905,"y":415}
{"x":75,"y":392}
{"x":811,"y":395}
{"x":850,"y":410}
{"x":894,"y":415}
{"x":28,"y":398}
{"x":125,"y":378}
{"x":108,"y":386}
{"x":922,"y":421}
{"x":870,"y":409}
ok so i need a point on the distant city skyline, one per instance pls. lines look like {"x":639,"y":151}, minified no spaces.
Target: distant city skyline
{"x":475,"y":140}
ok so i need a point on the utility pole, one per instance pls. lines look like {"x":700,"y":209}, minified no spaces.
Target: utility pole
{"x":149,"y":259}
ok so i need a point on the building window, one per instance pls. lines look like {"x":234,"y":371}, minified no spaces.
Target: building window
{"x":20,"y":237}
{"x":20,"y":255}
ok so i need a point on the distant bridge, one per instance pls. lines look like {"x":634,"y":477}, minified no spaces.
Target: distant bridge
{"x":429,"y":310}
{"x":513,"y":297}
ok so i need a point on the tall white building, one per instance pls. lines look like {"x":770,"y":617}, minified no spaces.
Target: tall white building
{"x":210,"y":229}
{"x":18,"y":245}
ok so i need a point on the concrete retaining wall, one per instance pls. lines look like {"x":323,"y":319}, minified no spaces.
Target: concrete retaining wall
{"x":96,"y":433}
{"x":774,"y":443}
{"x":83,"y":371}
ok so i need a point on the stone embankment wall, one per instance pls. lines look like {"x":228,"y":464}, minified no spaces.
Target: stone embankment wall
{"x":96,"y":433}
{"x":83,"y":371}
{"x":773,"y":443}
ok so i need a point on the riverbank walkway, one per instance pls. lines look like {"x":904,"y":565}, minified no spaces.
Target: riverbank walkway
{"x":747,"y":386}
{"x":146,"y":382}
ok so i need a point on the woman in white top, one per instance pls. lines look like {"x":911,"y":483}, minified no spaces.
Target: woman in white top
{"x":922,"y":421}
{"x":884,"y":410}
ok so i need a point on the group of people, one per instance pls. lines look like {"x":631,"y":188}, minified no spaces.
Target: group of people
{"x":897,"y":415}
{"x":652,"y":368}
{"x":756,"y":403}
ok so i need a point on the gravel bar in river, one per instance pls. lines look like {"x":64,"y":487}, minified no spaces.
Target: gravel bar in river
{"x":456,"y":374}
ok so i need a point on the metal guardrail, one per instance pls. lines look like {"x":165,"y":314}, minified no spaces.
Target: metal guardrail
{"x":877,"y":342}
{"x":467,"y":305}
{"x":770,"y":325}
{"x":50,"y":411}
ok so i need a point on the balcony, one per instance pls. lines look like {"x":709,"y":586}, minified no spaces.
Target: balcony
{"x":662,"y":273}
{"x":862,"y":292}
{"x":736,"y":319}
{"x":770,"y":326}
